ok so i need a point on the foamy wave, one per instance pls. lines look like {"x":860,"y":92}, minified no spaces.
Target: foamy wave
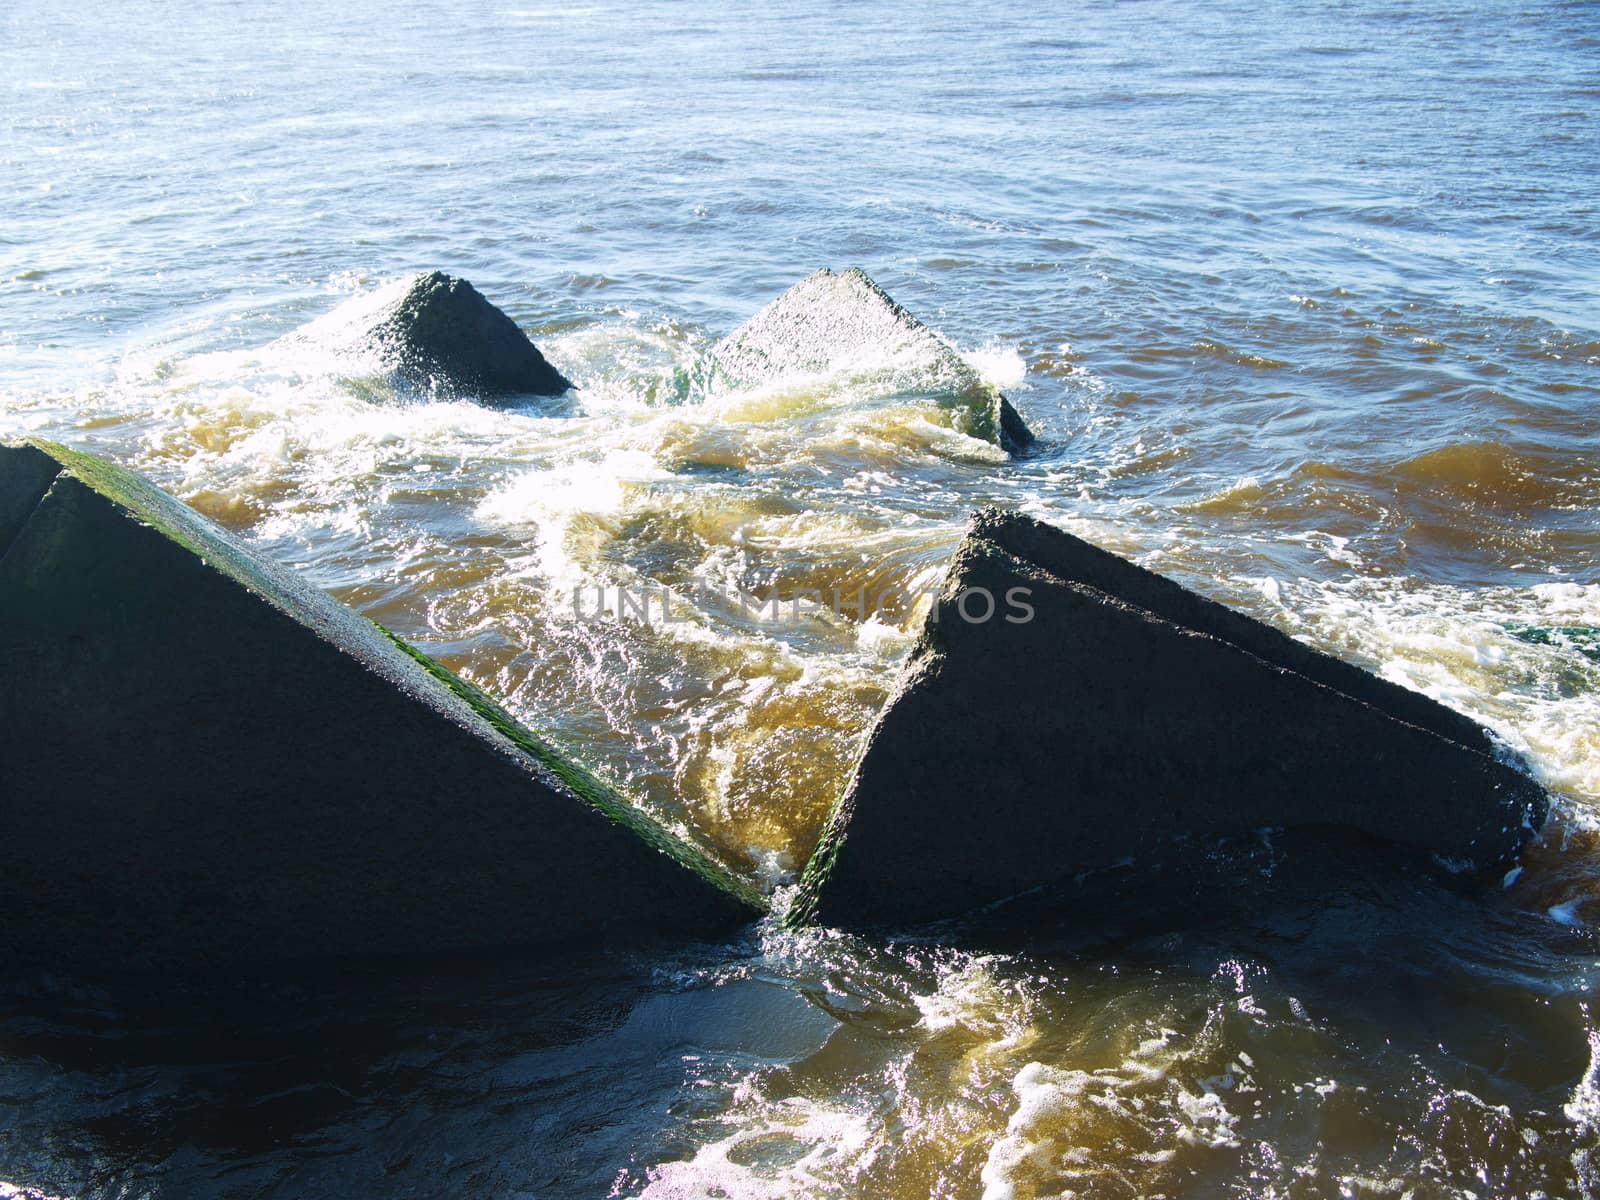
{"x":10,"y":1191}
{"x":1583,"y":1110}
{"x":1074,"y":1131}
{"x":580,"y":487}
{"x":950,"y":1023}
{"x":999,"y":365}
{"x":1461,"y":647}
{"x":793,"y":1150}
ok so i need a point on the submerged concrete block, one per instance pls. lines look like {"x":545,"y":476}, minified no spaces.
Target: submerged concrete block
{"x":436,"y":333}
{"x":832,"y":323}
{"x":204,"y":761}
{"x":1066,"y":710}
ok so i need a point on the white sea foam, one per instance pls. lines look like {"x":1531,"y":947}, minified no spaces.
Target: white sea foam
{"x":1066,"y":1120}
{"x":1583,"y":1110}
{"x":11,"y":1191}
{"x":1460,"y":646}
{"x":793,"y":1149}
{"x":998,"y":364}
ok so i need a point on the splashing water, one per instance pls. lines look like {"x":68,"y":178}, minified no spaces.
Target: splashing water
{"x":1303,"y":318}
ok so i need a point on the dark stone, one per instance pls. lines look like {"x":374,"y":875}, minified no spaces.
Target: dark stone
{"x":1128,"y":713}
{"x":28,"y":475}
{"x":208,"y":762}
{"x":1015,"y":436}
{"x":442,"y":333}
{"x":834,"y":323}
{"x":436,"y":334}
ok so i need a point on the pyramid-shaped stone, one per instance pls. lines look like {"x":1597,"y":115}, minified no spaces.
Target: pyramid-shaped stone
{"x":204,"y":761}
{"x":844,"y":323}
{"x":1066,"y":710}
{"x":436,"y":334}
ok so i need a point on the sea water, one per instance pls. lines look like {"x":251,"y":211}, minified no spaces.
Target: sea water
{"x":1302,"y":303}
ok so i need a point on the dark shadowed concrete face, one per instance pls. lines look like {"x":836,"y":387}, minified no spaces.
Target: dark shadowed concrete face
{"x":442,"y":335}
{"x":207,"y":762}
{"x":844,"y":323}
{"x":26,"y":477}
{"x":1120,"y":714}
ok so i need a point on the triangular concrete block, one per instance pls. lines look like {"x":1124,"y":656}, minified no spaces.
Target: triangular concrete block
{"x":437,"y":334}
{"x":203,"y":760}
{"x":27,"y":475}
{"x":844,"y":323}
{"x":1066,"y":710}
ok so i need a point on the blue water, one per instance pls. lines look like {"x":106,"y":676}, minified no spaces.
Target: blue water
{"x":1304,"y":301}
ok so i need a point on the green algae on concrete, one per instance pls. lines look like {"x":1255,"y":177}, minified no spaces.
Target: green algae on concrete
{"x":208,"y":762}
{"x":1109,"y":714}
